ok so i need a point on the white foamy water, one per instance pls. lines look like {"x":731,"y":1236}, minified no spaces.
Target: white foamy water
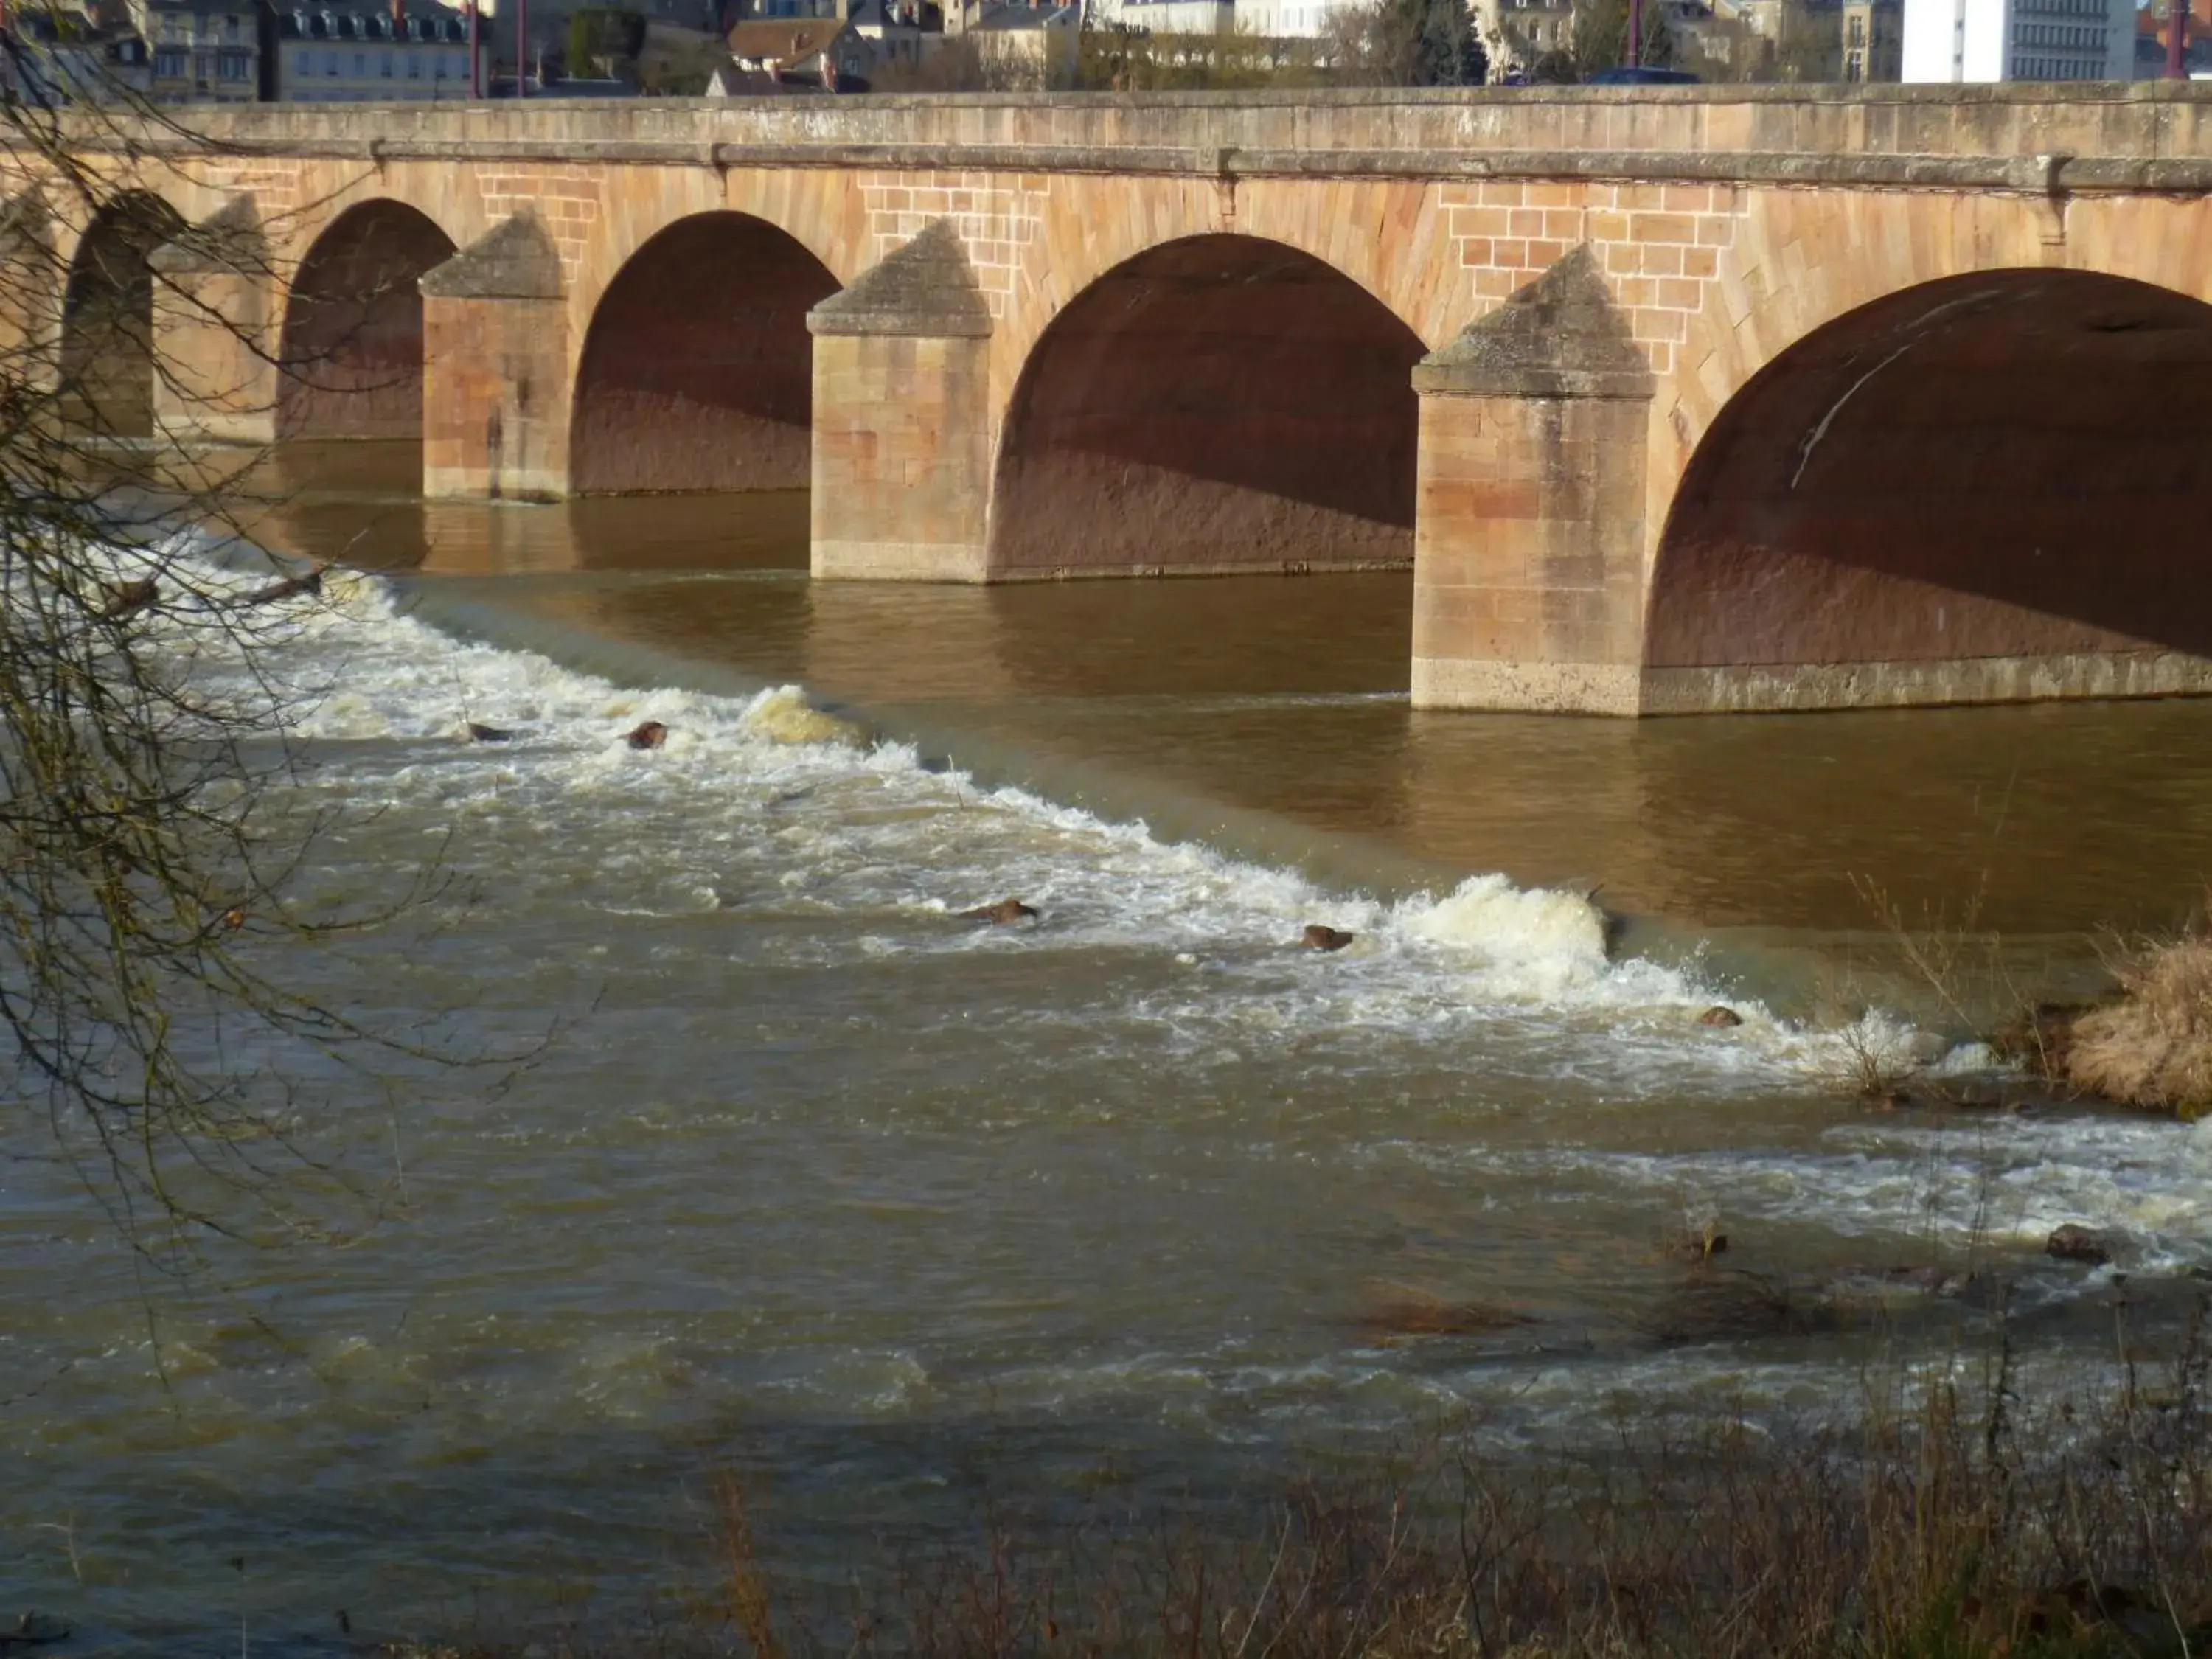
{"x":887,"y":1206}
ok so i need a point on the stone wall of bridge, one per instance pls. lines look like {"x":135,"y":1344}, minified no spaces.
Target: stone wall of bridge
{"x":1675,"y":400}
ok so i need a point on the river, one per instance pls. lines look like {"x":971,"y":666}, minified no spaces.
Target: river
{"x":902,"y":1216}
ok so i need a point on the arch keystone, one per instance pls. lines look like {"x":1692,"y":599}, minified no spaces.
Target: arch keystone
{"x":496,"y":394}
{"x":901,"y":456}
{"x":1529,"y":511}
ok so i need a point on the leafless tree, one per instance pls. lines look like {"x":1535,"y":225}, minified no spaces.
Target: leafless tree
{"x":152,"y":1027}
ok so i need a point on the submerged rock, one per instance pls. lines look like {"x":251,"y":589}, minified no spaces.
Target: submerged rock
{"x":309,"y":581}
{"x":1003,"y":912}
{"x":1318,"y":937}
{"x":490,"y":733}
{"x":2075,"y":1242}
{"x":33,"y":1630}
{"x":127,"y":599}
{"x":1721,"y":1017}
{"x":649,"y":735}
{"x":1395,"y":1312}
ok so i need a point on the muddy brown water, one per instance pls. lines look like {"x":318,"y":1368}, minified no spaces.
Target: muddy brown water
{"x":906,"y":1217}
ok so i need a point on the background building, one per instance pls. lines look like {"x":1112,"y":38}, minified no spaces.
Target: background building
{"x":202,"y":51}
{"x":355,"y":55}
{"x":67,"y":58}
{"x":1984,"y":40}
{"x":1873,"y":41}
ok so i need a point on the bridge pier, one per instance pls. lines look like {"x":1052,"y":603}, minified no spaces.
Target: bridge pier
{"x":495,"y":392}
{"x":31,"y":283}
{"x":214,"y":374}
{"x":900,"y":470}
{"x":1528,"y":510}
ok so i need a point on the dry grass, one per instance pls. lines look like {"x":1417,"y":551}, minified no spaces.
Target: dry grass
{"x":1937,"y":1513}
{"x":2153,"y":1048}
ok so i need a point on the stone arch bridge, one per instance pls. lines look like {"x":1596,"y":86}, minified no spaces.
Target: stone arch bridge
{"x":1674,"y":400}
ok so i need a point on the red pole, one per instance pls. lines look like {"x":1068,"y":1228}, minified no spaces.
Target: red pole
{"x":2177,"y":26}
{"x":1636,"y":31}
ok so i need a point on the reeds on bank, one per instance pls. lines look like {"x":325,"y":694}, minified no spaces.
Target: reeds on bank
{"x":2152,"y":1047}
{"x":1941,"y":1510}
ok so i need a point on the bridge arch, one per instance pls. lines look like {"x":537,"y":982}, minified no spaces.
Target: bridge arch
{"x":351,"y":352}
{"x":1219,"y":402}
{"x":1970,"y":488}
{"x":106,"y":359}
{"x":696,"y":370}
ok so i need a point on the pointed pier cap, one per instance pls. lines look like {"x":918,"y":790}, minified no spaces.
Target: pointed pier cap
{"x":1559,"y":336}
{"x":515,"y":259}
{"x":926,"y":287}
{"x":228,"y":242}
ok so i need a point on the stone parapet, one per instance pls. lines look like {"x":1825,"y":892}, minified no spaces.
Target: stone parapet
{"x":2149,"y":137}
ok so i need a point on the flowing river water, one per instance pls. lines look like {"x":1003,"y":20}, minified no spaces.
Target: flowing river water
{"x":902,"y":1216}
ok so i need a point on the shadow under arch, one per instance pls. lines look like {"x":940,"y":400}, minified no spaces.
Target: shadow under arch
{"x":1217,"y":403}
{"x":107,"y":317}
{"x":352,"y":346}
{"x":2011,"y":465}
{"x":697,"y":372}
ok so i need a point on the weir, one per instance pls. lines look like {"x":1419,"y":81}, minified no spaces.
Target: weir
{"x":1675,"y":400}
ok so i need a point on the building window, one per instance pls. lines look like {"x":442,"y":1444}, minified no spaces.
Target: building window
{"x":1854,"y":67}
{"x":231,"y":66}
{"x":387,"y":66}
{"x":169,"y":63}
{"x":330,"y":63}
{"x":414,"y":67}
{"x":438,"y":66}
{"x":360,"y":66}
{"x":1856,"y":33}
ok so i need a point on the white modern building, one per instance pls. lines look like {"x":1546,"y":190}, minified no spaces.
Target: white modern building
{"x":1958,"y":40}
{"x":1268,"y":20}
{"x":356,"y":56}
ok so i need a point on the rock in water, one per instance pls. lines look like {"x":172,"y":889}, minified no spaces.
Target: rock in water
{"x":2075,"y":1242}
{"x":650,"y":735}
{"x":1003,"y":913}
{"x":309,"y":581}
{"x":1721,"y":1017}
{"x":493,"y":734}
{"x":127,"y":599}
{"x":1318,"y":937}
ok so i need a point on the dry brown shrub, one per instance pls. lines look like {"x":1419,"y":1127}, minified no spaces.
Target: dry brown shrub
{"x":2154,"y":1046}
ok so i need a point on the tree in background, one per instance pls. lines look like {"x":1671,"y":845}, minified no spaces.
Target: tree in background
{"x":1408,"y":43}
{"x":602,"y":39}
{"x":1600,"y":37}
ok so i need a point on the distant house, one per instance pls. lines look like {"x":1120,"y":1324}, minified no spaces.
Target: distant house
{"x":898,"y":32}
{"x":400,"y":55}
{"x":201,"y":51}
{"x":1167,"y":16}
{"x":820,"y":49}
{"x":1022,"y":45}
{"x":63,"y":58}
